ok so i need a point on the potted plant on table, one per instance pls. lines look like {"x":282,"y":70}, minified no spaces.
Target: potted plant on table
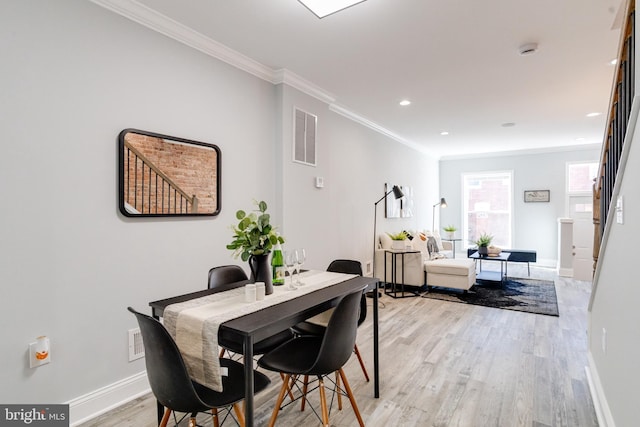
{"x":398,"y":240}
{"x":253,"y":239}
{"x":450,"y":230}
{"x":483,"y":242}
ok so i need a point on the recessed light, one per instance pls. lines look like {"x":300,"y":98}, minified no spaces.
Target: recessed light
{"x":593,"y":114}
{"x":405,"y":102}
{"x":508,"y":125}
{"x":613,"y":61}
{"x":322,"y":8}
{"x":444,"y":132}
{"x":580,"y":139}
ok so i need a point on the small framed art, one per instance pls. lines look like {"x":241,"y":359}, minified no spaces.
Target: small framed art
{"x":533,"y":196}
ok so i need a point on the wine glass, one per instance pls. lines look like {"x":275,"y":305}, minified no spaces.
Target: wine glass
{"x":290,"y":261}
{"x":301,"y":258}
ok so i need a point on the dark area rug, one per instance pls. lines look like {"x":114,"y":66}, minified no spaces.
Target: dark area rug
{"x":530,"y":295}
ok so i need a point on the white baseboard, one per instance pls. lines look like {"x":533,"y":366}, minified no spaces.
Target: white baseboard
{"x":565,"y":272}
{"x":91,"y":405}
{"x":603,"y":413}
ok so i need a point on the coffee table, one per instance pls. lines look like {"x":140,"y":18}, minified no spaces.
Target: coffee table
{"x":492,"y":276}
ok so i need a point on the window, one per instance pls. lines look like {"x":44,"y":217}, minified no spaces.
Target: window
{"x":487,"y":204}
{"x":580,"y":177}
{"x":304,"y":140}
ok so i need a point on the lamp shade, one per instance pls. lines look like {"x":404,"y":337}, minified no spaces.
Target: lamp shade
{"x":397,"y":192}
{"x":443,"y":203}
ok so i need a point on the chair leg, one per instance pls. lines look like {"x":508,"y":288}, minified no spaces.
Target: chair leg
{"x":239,"y":414}
{"x":338,"y":391}
{"x":323,"y":403}
{"x":221,"y":353}
{"x":165,"y":417}
{"x":352,"y":399}
{"x":276,"y":409}
{"x":192,"y":421}
{"x":288,"y":388}
{"x":214,"y":417}
{"x":364,"y":370}
{"x":304,"y":392}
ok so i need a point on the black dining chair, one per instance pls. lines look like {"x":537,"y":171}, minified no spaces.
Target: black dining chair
{"x":225,"y":275}
{"x":346,"y":266}
{"x":176,"y":391}
{"x":318,"y":356}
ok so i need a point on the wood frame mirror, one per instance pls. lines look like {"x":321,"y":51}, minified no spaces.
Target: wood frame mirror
{"x":167,"y":176}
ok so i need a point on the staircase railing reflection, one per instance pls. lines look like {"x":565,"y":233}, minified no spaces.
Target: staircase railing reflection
{"x":148,"y":190}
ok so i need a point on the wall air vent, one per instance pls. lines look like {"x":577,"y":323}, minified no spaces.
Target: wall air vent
{"x":136,"y":347}
{"x":304,"y":137}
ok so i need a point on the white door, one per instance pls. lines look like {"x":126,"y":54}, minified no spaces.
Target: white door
{"x":581,"y":210}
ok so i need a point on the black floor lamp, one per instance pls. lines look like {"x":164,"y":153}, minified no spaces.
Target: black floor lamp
{"x":397,"y":193}
{"x":443,"y":204}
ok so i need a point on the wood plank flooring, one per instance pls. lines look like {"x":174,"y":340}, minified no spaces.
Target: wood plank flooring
{"x":451,"y":364}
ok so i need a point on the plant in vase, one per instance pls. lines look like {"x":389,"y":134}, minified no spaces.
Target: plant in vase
{"x":398,"y":240}
{"x":253,"y":239}
{"x":450,"y":230}
{"x":483,"y":242}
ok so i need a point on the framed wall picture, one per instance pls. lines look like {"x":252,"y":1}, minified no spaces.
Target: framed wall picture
{"x":534,"y":196}
{"x":406,"y":203}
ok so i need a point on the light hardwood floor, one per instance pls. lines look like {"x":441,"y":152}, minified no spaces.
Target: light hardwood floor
{"x":452,"y":364}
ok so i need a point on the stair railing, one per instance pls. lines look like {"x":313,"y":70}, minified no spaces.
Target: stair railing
{"x":619,"y":113}
{"x":151,"y":191}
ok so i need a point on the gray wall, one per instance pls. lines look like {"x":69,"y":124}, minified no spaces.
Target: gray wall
{"x":534,"y":224}
{"x":614,"y":358}
{"x":73,"y":76}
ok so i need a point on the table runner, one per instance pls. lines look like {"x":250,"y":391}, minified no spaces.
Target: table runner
{"x":194,"y":324}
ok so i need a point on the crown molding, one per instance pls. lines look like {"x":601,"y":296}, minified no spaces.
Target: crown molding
{"x":143,"y":15}
{"x":525,"y":151}
{"x":162,"y":24}
{"x":292,"y":79}
{"x":376,"y":127}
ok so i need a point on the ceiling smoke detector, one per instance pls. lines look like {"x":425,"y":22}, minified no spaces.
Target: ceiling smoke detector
{"x":528,"y":49}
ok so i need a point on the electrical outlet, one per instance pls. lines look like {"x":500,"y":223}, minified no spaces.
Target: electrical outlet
{"x":604,"y":340}
{"x":368,"y":268}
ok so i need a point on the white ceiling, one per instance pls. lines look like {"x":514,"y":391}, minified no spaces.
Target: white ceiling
{"x":457,"y":61}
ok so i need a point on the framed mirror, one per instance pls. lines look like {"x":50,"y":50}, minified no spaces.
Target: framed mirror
{"x":162,"y":175}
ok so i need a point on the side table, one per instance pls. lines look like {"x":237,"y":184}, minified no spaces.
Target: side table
{"x":394,"y":273}
{"x":453,"y":243}
{"x":492,"y":276}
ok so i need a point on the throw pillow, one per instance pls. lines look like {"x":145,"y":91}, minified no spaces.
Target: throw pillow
{"x":419,"y":243}
{"x":438,"y":240}
{"x":385,"y":241}
{"x":432,"y":247}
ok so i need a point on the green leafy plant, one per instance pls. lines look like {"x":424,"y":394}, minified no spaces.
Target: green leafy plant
{"x":398,"y":236}
{"x":484,"y":240}
{"x":254,"y":235}
{"x":450,"y":228}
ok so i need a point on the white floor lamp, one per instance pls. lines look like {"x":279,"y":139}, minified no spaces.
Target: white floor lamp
{"x":443,"y":204}
{"x":397,"y":193}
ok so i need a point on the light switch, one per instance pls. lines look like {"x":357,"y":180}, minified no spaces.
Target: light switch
{"x":620,"y":210}
{"x":319,"y":182}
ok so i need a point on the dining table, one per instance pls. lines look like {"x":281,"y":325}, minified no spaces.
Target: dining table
{"x":254,"y":325}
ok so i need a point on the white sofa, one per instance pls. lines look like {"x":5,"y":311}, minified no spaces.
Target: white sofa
{"x":420,"y":269}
